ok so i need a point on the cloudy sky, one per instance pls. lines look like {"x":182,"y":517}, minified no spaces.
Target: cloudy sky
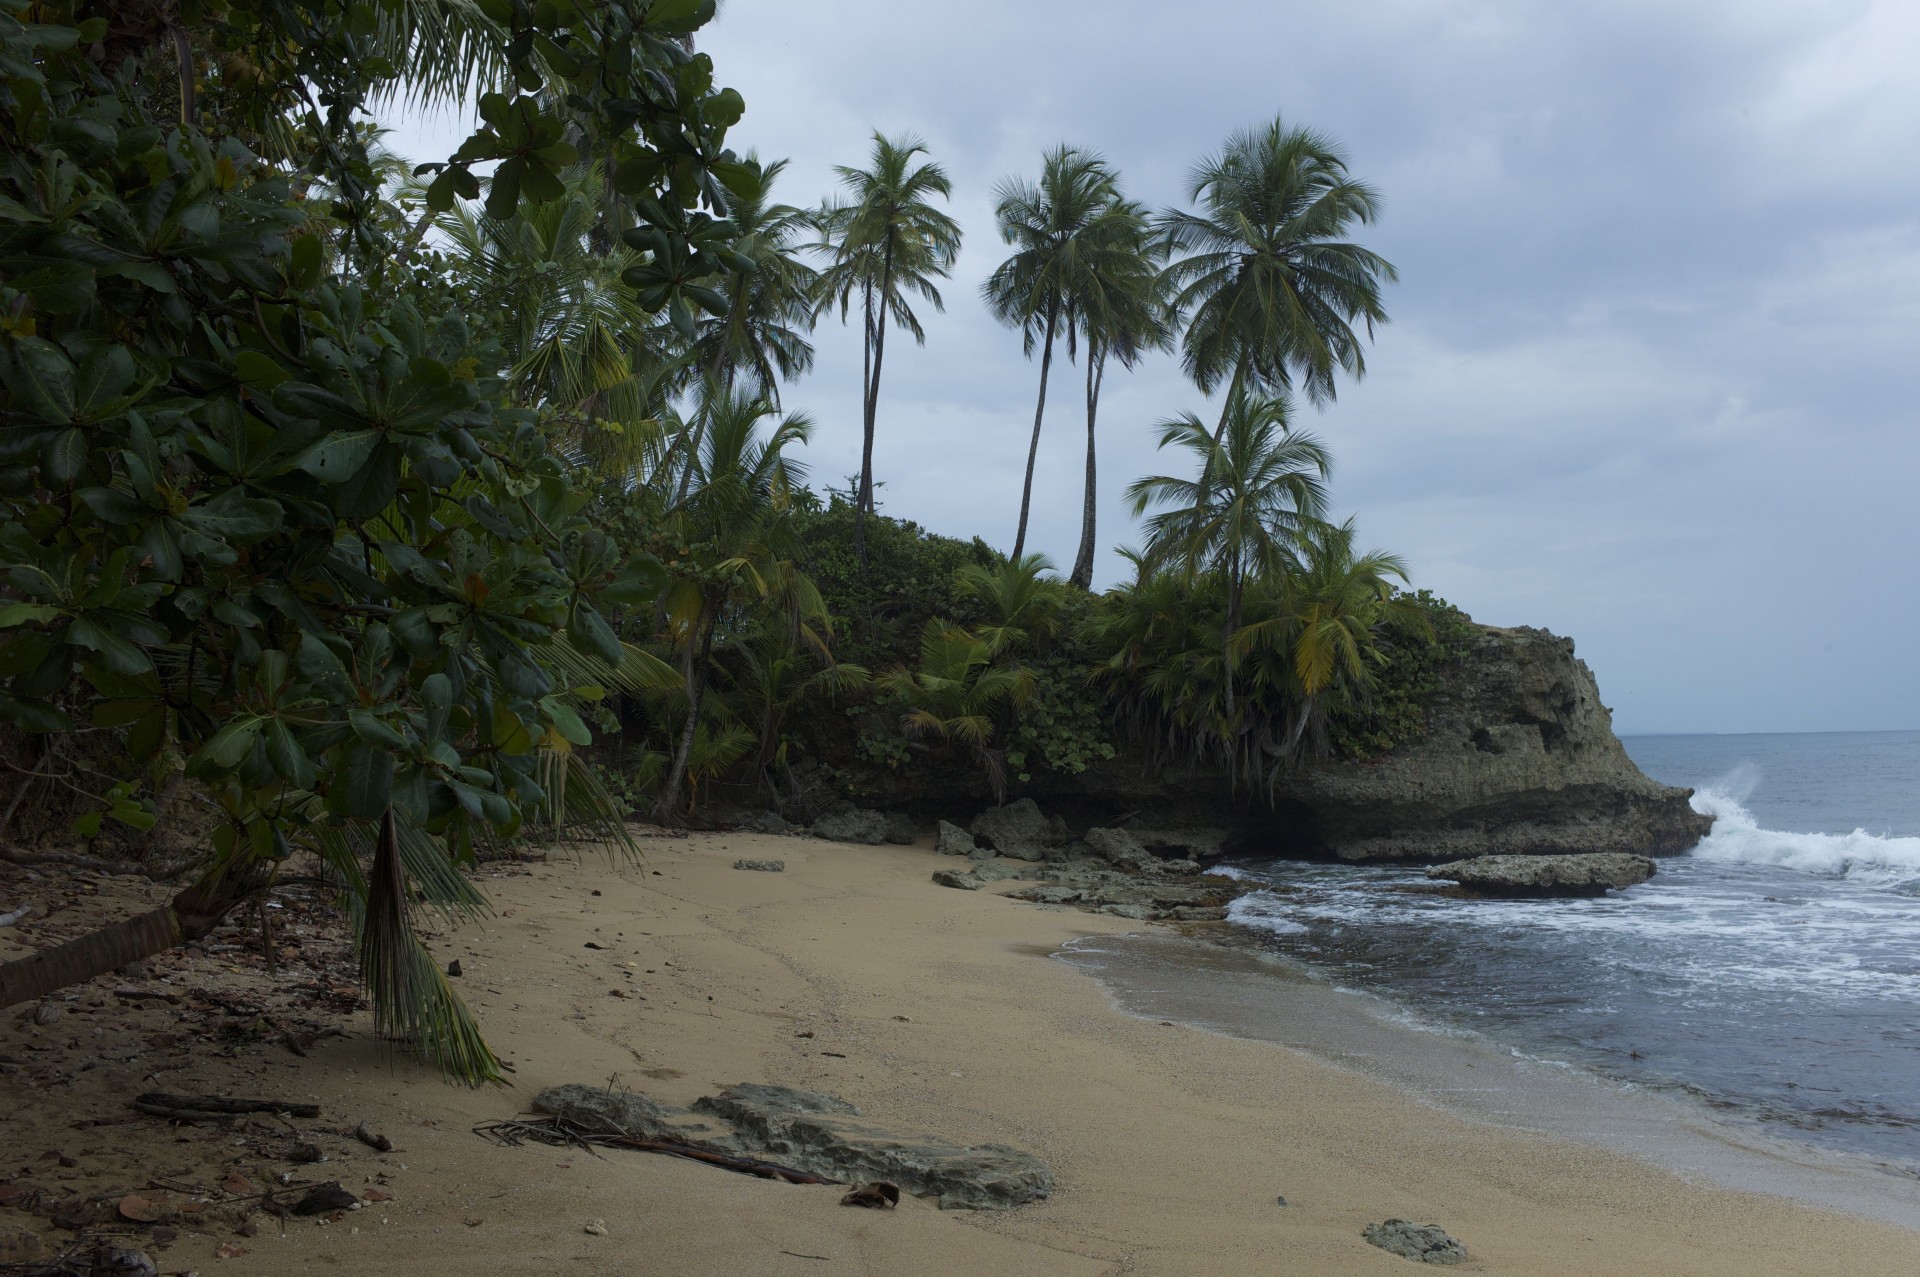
{"x":1652,"y":369}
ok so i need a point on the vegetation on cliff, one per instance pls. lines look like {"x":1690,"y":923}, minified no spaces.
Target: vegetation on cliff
{"x":364,"y":499}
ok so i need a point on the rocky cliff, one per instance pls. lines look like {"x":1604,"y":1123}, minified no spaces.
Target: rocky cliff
{"x":1519,"y":757}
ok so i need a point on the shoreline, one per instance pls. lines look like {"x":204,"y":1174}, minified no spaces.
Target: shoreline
{"x":931,"y":1010}
{"x":1237,"y":990}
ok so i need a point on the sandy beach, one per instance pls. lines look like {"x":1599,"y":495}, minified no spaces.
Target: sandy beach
{"x":931,"y":1009}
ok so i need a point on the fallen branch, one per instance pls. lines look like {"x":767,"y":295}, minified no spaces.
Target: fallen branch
{"x":555,"y":1130}
{"x":191,"y":1108}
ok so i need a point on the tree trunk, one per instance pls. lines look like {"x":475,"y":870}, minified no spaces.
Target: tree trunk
{"x":188,"y":916}
{"x":864,"y":503}
{"x":666,"y":809}
{"x":1039,"y":412}
{"x":1082,"y":575}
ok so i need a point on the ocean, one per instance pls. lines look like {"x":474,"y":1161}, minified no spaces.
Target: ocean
{"x":1771,"y":976}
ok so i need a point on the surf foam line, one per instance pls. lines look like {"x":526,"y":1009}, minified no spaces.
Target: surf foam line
{"x":1738,"y":837}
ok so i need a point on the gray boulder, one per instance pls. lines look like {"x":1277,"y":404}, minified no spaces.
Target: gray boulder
{"x":1118,"y":847}
{"x":900,"y":828}
{"x":852,"y":824}
{"x":762,"y":866}
{"x":821,"y":1134}
{"x":765,"y":822}
{"x":1423,"y":1243}
{"x":1017,"y":829}
{"x":954,"y":878}
{"x":1579,"y":875}
{"x":951,"y":840}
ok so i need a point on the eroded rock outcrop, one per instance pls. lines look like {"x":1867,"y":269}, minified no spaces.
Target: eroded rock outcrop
{"x":1519,"y":757}
{"x":820,"y":1134}
{"x":1590,"y":875}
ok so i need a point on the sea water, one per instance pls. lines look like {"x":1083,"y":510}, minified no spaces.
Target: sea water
{"x":1772,"y":973}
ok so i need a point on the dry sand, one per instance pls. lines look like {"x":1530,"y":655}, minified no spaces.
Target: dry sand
{"x":933,"y":1009}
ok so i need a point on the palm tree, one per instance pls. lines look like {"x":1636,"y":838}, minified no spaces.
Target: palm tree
{"x":1259,"y":493}
{"x":769,"y":308}
{"x":956,"y":695}
{"x":885,"y":241}
{"x":737,"y":524}
{"x":1022,"y":607}
{"x":1271,"y":285}
{"x":1124,"y":311}
{"x":1052,"y":227}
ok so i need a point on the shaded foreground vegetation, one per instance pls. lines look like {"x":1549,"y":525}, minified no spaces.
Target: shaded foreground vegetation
{"x":379,"y":516}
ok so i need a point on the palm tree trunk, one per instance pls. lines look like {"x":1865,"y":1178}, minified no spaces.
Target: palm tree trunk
{"x":188,"y":916}
{"x":1234,"y":585}
{"x":1039,"y":412}
{"x":666,"y":808}
{"x":1082,"y":574}
{"x":864,"y":503}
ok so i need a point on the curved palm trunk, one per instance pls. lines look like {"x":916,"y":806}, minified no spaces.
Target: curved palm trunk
{"x":1033,"y":448}
{"x":864,"y":502}
{"x":188,"y":916}
{"x":666,"y":808}
{"x":1082,"y":574}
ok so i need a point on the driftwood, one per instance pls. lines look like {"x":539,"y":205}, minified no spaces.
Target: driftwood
{"x":200,"y":1108}
{"x":372,"y":1139}
{"x":556,"y":1130}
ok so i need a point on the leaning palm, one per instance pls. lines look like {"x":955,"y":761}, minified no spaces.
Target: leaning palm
{"x":1259,"y":490}
{"x":1269,"y":280}
{"x":885,"y":241}
{"x":1053,"y":226}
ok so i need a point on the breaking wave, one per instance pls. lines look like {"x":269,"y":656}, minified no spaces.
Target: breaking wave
{"x":1738,"y":837}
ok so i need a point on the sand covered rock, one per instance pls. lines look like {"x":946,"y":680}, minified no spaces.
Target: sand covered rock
{"x":900,"y":828}
{"x":956,"y":879}
{"x":1422,"y":1243}
{"x":1588,"y":875}
{"x":817,"y":1133}
{"x":1118,"y":847}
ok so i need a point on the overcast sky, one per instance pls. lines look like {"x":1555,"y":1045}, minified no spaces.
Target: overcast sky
{"x":1652,"y":371}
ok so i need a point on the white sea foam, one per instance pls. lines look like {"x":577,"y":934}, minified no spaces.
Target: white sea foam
{"x":1737,"y":836}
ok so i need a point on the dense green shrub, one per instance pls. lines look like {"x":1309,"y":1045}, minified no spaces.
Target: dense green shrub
{"x":1418,"y":661}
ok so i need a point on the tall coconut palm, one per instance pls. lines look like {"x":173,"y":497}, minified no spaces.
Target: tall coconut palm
{"x":770,"y":311}
{"x":1270,"y":283}
{"x":1053,"y":226}
{"x":1260,"y":490}
{"x":885,"y":241}
{"x":1124,"y":311}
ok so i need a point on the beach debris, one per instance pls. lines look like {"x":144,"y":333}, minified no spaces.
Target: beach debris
{"x":876,"y":1195}
{"x":1587,"y":874}
{"x":453,"y":968}
{"x":379,"y":1143}
{"x":303,"y":1153}
{"x":324,"y":1199}
{"x":1280,"y":1201}
{"x":815,"y":1134}
{"x":561,"y":1131}
{"x":201,"y":1108}
{"x":843,"y":822}
{"x":48,"y":1012}
{"x":123,"y":1261}
{"x":12,"y":916}
{"x":597,"y":1228}
{"x":762,"y":866}
{"x":140,"y":1209}
{"x":900,"y":830}
{"x":951,"y":840}
{"x":229,"y":1250}
{"x":956,"y":879}
{"x":1422,"y":1243}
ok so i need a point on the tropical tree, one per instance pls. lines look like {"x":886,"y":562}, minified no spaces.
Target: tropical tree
{"x":734,"y":549}
{"x":1053,"y":226}
{"x":770,"y":308}
{"x":956,"y":694}
{"x":1270,"y":285}
{"x":1021,"y":607}
{"x":1124,"y":311}
{"x":884,"y":241}
{"x":1259,"y":492}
